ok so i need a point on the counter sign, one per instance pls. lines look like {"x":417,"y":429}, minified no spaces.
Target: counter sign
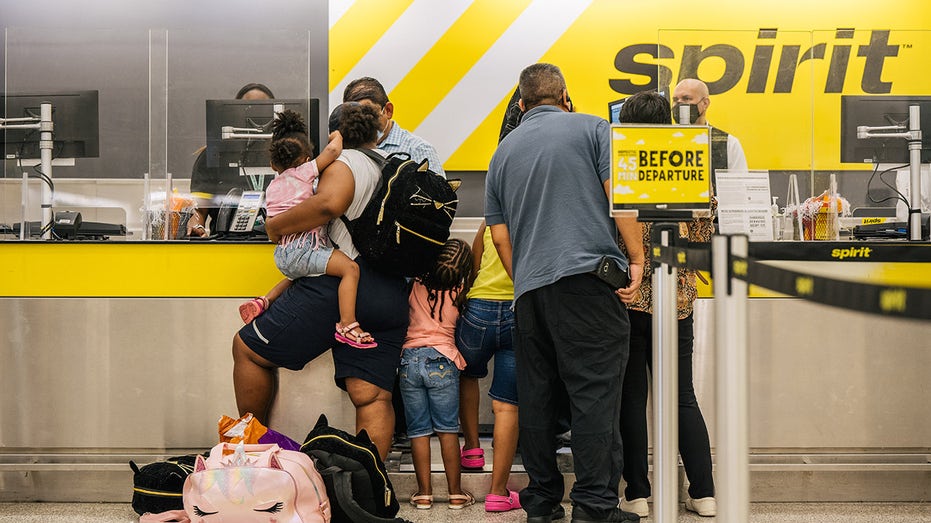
{"x":660,"y":167}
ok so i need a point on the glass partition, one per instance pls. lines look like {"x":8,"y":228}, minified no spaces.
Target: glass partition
{"x":862,"y":64}
{"x":99,"y":142}
{"x":215,"y":64}
{"x":781,"y":93}
{"x":760,"y":85}
{"x":151,"y":88}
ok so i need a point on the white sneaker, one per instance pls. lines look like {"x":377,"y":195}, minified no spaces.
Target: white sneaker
{"x":702,"y":506}
{"x":637,"y":506}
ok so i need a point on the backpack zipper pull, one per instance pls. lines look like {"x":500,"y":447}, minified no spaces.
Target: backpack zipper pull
{"x":398,"y":232}
{"x":387,"y":496}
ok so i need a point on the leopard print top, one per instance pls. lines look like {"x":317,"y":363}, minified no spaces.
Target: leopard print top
{"x":698,"y":230}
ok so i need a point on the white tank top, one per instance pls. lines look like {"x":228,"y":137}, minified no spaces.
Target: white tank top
{"x":366,"y":174}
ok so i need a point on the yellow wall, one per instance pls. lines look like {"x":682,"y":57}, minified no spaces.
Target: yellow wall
{"x":461,"y":73}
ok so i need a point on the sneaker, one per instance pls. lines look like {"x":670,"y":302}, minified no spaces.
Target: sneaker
{"x":702,"y":506}
{"x":638,"y":506}
{"x":472,"y":458}
{"x":496,"y":503}
{"x":580,"y":515}
{"x":564,"y":439}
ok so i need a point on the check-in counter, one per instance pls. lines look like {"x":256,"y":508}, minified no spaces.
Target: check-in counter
{"x":119,"y":350}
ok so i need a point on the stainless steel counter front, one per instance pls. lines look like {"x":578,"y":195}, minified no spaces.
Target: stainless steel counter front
{"x":99,"y":378}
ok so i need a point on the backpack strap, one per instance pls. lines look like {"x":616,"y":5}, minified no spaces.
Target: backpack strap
{"x":377,"y":158}
{"x":339,"y":482}
{"x":380,"y":161}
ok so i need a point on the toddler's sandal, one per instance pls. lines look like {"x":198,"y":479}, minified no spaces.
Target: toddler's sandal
{"x":253,"y":308}
{"x":354,"y":339}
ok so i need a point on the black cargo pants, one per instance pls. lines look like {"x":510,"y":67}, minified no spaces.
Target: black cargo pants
{"x":572,"y":348}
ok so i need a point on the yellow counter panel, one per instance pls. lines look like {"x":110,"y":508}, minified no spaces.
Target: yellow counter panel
{"x":228,"y":269}
{"x":130,"y":269}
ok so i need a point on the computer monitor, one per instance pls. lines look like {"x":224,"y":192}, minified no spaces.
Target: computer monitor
{"x":876,"y":111}
{"x":239,"y":153}
{"x":614,"y":110}
{"x":74,"y":116}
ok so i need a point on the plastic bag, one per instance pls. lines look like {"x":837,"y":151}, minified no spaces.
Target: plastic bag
{"x":248,"y":430}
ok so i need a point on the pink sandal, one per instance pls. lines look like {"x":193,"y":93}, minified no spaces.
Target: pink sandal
{"x":496,"y":503}
{"x":253,"y":308}
{"x":472,"y":458}
{"x":358,"y":339}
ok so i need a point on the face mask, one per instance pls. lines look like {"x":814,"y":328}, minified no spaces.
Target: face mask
{"x":693,"y":112}
{"x":381,"y":132}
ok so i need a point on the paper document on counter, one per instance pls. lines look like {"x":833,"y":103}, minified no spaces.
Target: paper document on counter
{"x":744,"y":205}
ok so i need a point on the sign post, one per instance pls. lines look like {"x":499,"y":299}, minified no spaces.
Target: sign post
{"x":662,"y":173}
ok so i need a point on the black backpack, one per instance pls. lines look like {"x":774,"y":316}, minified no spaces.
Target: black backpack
{"x":157,"y":486}
{"x":404,"y":226}
{"x":356,"y":478}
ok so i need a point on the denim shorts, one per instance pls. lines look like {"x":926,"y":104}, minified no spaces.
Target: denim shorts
{"x":485,"y":329}
{"x":297,"y":260}
{"x":430,"y":388}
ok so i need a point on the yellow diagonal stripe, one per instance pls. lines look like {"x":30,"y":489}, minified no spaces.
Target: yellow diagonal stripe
{"x":356,"y":32}
{"x":448,"y":61}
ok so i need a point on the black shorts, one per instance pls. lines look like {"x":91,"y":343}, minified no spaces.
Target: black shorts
{"x":300,"y":324}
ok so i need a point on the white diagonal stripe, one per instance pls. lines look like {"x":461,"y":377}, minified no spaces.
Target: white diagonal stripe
{"x":336,"y":9}
{"x":404,"y":44}
{"x":494,"y":75}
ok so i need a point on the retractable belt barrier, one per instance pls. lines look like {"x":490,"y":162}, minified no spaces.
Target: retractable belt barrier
{"x":734,"y":263}
{"x":888,"y":300}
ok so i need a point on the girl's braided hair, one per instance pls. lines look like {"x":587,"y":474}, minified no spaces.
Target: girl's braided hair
{"x":450,"y":276}
{"x":290,"y":143}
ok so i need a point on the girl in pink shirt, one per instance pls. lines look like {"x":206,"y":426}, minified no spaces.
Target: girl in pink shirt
{"x":308,"y":253}
{"x":429,"y":372}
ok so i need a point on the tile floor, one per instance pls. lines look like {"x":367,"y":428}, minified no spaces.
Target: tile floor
{"x":759,"y":513}
{"x":399,"y":464}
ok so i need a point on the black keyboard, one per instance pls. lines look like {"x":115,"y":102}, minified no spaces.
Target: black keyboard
{"x":86,"y":231}
{"x":881,"y":230}
{"x":890,"y":230}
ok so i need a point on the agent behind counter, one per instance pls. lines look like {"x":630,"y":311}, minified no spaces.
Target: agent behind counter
{"x":215,"y":182}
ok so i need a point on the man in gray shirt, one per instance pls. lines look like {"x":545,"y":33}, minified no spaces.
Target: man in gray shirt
{"x":547,"y":204}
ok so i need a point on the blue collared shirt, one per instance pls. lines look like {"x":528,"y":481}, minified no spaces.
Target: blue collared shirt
{"x":403,"y":141}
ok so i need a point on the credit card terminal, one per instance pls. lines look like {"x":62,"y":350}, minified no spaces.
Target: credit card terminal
{"x":250,"y":203}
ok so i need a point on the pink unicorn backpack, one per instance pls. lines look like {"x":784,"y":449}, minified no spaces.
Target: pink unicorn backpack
{"x":255,"y":483}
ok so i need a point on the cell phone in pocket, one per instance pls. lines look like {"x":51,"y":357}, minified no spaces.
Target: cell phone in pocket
{"x":611,"y":273}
